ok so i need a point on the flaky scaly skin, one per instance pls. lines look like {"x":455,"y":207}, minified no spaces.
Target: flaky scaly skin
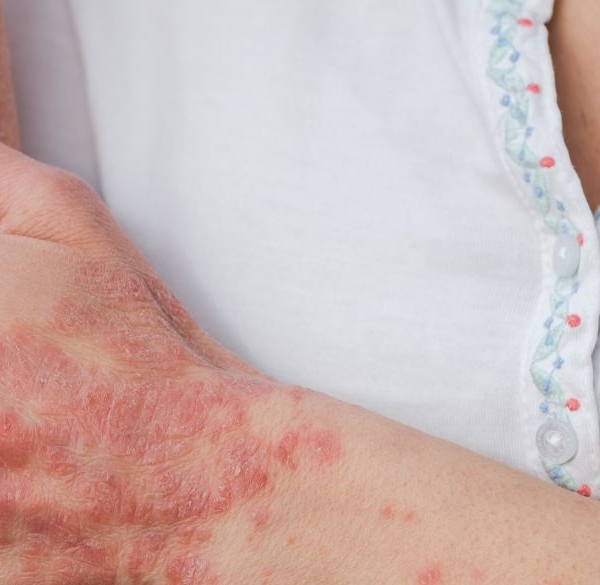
{"x":128,"y":437}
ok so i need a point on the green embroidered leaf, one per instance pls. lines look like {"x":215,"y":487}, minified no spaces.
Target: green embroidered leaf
{"x":564,"y":287}
{"x":499,"y":53}
{"x":546,"y":384}
{"x":513,"y":131}
{"x":514,"y":84}
{"x":543,"y":203}
{"x":499,"y":75}
{"x":552,"y":222}
{"x":549,"y":342}
{"x":559,"y":305}
{"x":522,"y":155}
{"x":518,"y":114}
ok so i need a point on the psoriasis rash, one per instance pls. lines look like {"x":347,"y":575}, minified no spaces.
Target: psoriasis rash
{"x":191,"y":570}
{"x":297,"y":394}
{"x":324,"y":447}
{"x":429,"y":576}
{"x":285,"y":451}
{"x":137,"y":451}
{"x":259,"y":517}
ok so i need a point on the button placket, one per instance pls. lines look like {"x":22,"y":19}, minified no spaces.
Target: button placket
{"x":537,"y":156}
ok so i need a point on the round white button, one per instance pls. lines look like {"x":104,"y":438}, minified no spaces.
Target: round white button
{"x":565,"y":259}
{"x":557,"y":442}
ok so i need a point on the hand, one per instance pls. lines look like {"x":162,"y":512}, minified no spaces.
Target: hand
{"x":126,"y":433}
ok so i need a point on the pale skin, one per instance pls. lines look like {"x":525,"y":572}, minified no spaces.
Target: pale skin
{"x":136,"y":450}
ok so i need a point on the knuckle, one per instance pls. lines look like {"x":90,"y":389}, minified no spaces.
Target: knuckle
{"x":62,"y":187}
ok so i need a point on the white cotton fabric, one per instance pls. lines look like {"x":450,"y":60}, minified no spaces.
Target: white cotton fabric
{"x":325,"y":186}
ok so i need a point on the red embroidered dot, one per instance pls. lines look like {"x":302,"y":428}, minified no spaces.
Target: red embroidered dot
{"x":572,"y":404}
{"x":547,"y":162}
{"x":525,"y":22}
{"x":584,"y":490}
{"x":533,"y":88}
{"x":573,"y":320}
{"x":580,"y":239}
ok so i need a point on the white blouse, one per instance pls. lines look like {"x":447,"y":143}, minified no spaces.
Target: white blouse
{"x":372,"y":199}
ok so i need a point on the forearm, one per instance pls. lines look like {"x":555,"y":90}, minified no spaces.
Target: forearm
{"x":402,"y":507}
{"x":176,"y":469}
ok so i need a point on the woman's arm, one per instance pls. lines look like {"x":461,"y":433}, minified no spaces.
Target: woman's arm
{"x":134,"y":450}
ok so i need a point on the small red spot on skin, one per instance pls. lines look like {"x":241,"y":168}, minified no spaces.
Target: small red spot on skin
{"x":547,"y":162}
{"x":429,"y":576}
{"x":190,"y":570}
{"x":533,"y":88}
{"x":242,"y":471}
{"x":260,"y":517}
{"x":266,"y":575}
{"x":386,"y":513}
{"x":284,"y":452}
{"x":573,"y":320}
{"x":572,"y":404}
{"x":297,"y":395}
{"x":325,"y":447}
{"x":585,"y":491}
{"x":291,"y":540}
{"x":408,"y":517}
{"x":580,"y":239}
{"x":526,"y":22}
{"x":477,"y":576}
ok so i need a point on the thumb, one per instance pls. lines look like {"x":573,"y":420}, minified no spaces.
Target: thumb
{"x":47,"y":203}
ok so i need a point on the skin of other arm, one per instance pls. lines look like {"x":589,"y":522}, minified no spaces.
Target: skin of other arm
{"x":573,"y":36}
{"x":9,"y":128}
{"x":134,"y":449}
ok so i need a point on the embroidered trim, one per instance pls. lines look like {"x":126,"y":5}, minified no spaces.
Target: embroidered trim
{"x":503,"y":70}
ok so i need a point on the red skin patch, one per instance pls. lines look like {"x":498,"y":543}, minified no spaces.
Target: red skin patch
{"x":17,"y":440}
{"x":259,"y":517}
{"x":408,"y":517}
{"x":144,"y":553}
{"x":291,"y":540}
{"x":386,"y":513}
{"x":285,"y":450}
{"x":103,"y":429}
{"x":429,"y":576}
{"x":297,"y":394}
{"x":242,"y":469}
{"x":477,"y":576}
{"x":190,"y":570}
{"x":324,"y":447}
